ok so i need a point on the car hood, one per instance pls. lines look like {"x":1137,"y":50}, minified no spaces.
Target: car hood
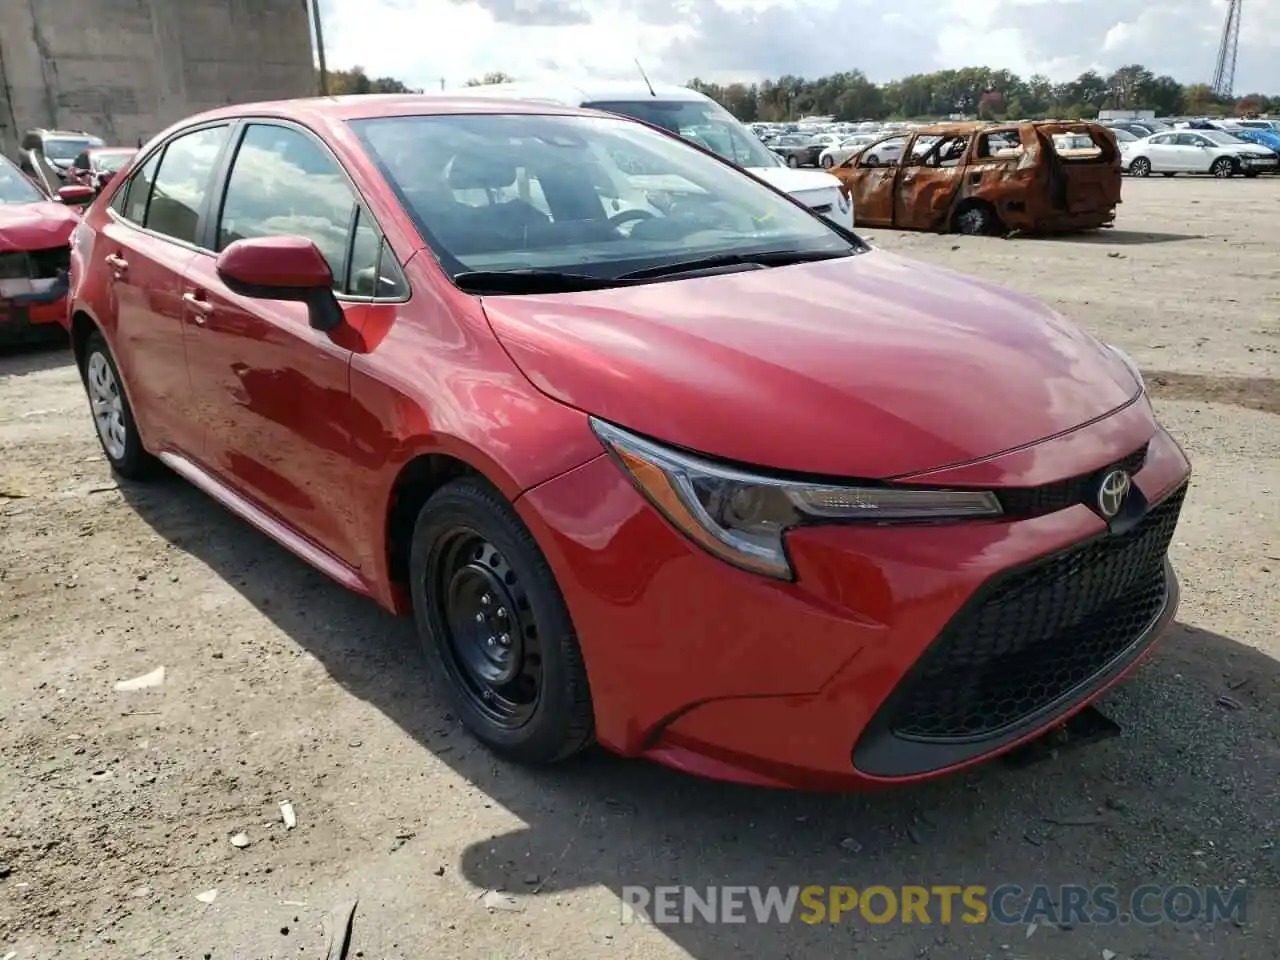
{"x":35,"y":226}
{"x":871,"y":366}
{"x":790,"y":180}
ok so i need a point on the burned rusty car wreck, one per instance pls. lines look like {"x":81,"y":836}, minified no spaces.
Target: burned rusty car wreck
{"x":981,"y":178}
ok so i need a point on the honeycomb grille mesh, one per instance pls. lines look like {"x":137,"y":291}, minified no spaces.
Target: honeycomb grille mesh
{"x":1038,"y":634}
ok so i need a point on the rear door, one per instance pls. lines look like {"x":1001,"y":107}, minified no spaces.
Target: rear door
{"x":150,"y":238}
{"x":274,"y":392}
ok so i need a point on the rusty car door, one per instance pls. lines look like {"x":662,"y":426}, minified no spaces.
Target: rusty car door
{"x":1086,"y":182}
{"x":871,"y":191}
{"x":929,"y":179}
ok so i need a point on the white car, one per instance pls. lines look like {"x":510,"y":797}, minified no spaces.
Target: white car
{"x":1195,"y":151}
{"x":687,"y":114}
{"x":835,"y":155}
{"x":882,"y":153}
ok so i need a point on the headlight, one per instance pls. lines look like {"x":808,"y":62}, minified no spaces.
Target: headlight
{"x":1129,"y":362}
{"x":741,"y":517}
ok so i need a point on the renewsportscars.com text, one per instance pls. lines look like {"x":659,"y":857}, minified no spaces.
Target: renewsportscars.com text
{"x":940,"y":904}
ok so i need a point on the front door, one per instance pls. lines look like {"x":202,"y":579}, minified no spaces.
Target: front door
{"x":274,"y":392}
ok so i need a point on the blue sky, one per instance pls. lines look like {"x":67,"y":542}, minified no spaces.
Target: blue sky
{"x":425,"y":41}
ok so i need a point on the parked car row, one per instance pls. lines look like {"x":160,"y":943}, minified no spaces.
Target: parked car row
{"x":422,"y":347}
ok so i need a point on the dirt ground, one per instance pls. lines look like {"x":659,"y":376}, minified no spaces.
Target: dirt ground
{"x":117,"y":809}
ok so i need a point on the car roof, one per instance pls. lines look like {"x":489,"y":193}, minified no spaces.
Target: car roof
{"x":576,"y":93}
{"x":326,"y":110}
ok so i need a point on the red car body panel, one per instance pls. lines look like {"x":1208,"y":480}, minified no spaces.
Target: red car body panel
{"x":867,"y":367}
{"x":874,"y":367}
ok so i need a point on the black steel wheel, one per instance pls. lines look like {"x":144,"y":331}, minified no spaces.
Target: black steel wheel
{"x":494,"y":623}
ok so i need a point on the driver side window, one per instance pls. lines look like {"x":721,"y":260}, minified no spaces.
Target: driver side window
{"x":283,"y":184}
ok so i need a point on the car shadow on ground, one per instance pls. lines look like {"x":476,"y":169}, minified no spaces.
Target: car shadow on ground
{"x":48,"y":352}
{"x":1164,"y":803}
{"x":1118,"y":237}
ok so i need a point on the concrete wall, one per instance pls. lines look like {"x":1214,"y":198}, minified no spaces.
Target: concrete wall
{"x":126,"y":69}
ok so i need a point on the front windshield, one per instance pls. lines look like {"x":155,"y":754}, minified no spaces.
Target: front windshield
{"x":585,"y":195}
{"x":65,"y":150}
{"x":15,"y":187}
{"x":704,"y":122}
{"x":1225,"y":139}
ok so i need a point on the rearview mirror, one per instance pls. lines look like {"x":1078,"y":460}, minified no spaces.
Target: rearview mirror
{"x":75,"y":194}
{"x":282,"y":268}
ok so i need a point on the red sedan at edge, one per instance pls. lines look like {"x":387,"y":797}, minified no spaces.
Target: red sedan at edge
{"x":35,"y":237}
{"x":654,"y":456}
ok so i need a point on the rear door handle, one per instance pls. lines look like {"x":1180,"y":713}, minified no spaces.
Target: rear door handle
{"x":118,"y":264}
{"x":201,"y":306}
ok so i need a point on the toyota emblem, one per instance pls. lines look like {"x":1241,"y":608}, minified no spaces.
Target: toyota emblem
{"x":1112,"y":491}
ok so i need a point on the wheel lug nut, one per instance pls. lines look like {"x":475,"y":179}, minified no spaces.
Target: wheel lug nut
{"x":479,"y":618}
{"x":505,"y":639}
{"x":486,"y":599}
{"x":501,"y":612}
{"x":491,"y":641}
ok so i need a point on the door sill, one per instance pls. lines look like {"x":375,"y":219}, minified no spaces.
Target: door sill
{"x":278,"y":531}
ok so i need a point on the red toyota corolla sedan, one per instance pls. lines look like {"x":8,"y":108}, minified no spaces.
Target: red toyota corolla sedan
{"x":655,"y":456}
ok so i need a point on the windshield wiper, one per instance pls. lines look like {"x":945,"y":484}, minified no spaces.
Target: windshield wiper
{"x":528,"y":280}
{"x":768,"y":258}
{"x":537,"y":280}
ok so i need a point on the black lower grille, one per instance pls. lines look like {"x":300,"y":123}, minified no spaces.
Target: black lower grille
{"x":34,"y":264}
{"x":1035,"y":635}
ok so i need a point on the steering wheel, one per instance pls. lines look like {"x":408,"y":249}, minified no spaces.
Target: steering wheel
{"x":626,"y":216}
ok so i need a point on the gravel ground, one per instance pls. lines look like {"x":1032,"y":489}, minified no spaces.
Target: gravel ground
{"x":116,"y":809}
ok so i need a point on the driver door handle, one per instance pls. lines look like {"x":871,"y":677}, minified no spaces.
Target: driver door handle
{"x":118,"y":264}
{"x":199,"y":305}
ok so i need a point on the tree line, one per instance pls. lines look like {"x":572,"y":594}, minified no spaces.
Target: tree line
{"x":972,"y":91}
{"x":976,"y":91}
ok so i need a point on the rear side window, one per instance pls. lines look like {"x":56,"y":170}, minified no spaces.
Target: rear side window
{"x":283,"y":183}
{"x":182,"y":183}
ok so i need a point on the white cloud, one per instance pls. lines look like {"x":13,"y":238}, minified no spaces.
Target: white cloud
{"x":423,"y":41}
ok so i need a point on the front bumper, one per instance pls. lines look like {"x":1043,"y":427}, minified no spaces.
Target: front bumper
{"x":715,"y":671}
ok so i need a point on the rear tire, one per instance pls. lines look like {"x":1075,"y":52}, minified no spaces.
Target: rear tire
{"x":827,"y":162}
{"x":495,"y":627}
{"x":1223,"y":168}
{"x":112,"y":416}
{"x":976,"y":218}
{"x":1140,"y":167}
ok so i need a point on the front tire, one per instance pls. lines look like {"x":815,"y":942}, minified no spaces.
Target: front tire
{"x":495,"y":626}
{"x":112,"y":416}
{"x":1222,"y":168}
{"x":793,"y":161}
{"x":827,"y":162}
{"x":1140,"y":167}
